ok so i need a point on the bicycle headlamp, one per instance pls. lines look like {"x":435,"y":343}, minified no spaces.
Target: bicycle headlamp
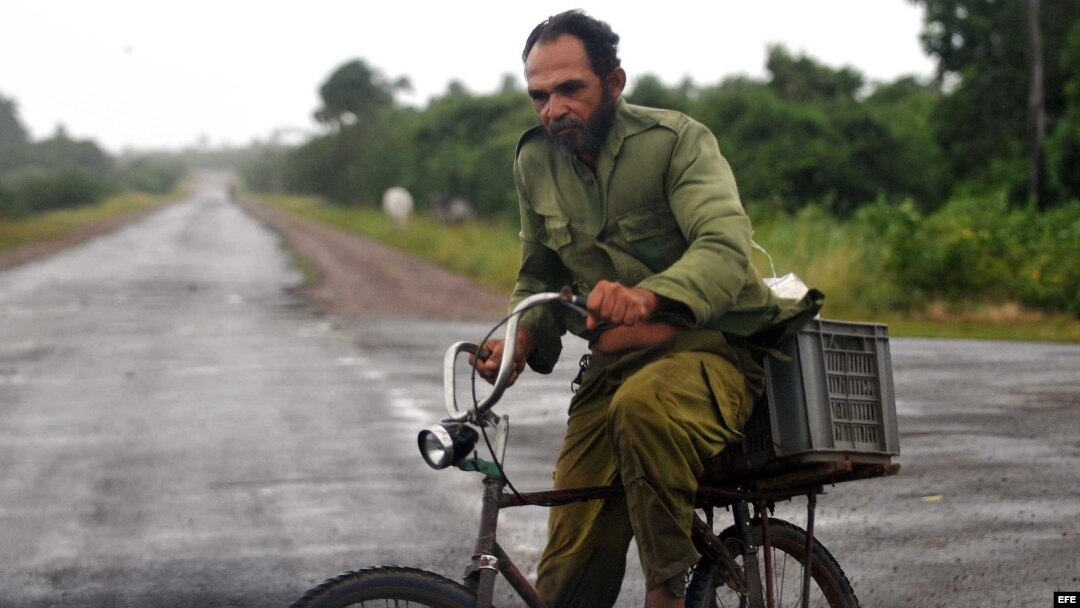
{"x":446,"y":443}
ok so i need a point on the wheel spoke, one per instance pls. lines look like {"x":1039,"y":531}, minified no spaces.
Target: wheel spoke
{"x":829,"y":585}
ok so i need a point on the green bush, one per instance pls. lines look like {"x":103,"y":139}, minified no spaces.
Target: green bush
{"x":10,"y":205}
{"x":978,"y":248}
{"x":1053,"y":280}
{"x":152,"y":175}
{"x":40,"y":190}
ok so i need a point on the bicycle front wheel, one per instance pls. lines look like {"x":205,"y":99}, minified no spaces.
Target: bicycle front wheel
{"x":388,"y":586}
{"x":829,"y":586}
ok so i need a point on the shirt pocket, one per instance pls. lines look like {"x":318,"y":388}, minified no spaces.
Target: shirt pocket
{"x":653,"y":236}
{"x":556,"y":232}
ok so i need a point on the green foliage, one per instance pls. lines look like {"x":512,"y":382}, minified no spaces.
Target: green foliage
{"x":776,"y":149}
{"x":54,"y":173}
{"x":917,"y":167}
{"x":10,"y":203}
{"x":1063,"y":149}
{"x":355,"y":92}
{"x":465,"y":146}
{"x":978,"y":248}
{"x":804,"y":136}
{"x":460,"y":145}
{"x":262,"y":171}
{"x":827,"y":253}
{"x":61,"y":151}
{"x":153,"y":175}
{"x":12,"y":131}
{"x":39,"y":190}
{"x":831,"y":147}
{"x":983,"y":125}
{"x":354,"y":165}
{"x":802,"y":79}
{"x":650,"y":91}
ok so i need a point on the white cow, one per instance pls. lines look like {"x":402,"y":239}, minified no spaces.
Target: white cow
{"x":397,"y":204}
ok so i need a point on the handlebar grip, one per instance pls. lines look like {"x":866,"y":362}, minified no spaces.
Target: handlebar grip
{"x":506,"y":372}
{"x":576,"y":302}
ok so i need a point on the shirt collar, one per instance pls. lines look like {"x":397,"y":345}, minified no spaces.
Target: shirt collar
{"x":628,"y":121}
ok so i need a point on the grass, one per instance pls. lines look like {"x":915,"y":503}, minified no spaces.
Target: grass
{"x":487,"y":252}
{"x":58,"y":224}
{"x":824,"y":252}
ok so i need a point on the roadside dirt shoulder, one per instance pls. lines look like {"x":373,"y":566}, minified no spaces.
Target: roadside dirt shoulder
{"x":32,"y":251}
{"x":356,"y":276}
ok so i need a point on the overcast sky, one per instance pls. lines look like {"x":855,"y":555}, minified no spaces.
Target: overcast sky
{"x":149,"y":74}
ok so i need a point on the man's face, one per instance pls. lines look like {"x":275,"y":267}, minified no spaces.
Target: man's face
{"x":574,"y":105}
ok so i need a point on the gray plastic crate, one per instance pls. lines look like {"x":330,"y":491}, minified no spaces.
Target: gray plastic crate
{"x":833,"y":400}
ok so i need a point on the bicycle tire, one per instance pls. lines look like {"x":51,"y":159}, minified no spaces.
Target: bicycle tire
{"x":829,"y":585}
{"x":406,"y":587}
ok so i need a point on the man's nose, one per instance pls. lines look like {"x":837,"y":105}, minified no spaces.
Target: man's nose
{"x":557,"y":107}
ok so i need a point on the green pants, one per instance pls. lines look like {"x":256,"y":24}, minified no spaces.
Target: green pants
{"x":649,"y":420}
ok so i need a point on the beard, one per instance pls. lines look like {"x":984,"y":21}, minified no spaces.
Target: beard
{"x":575,"y":137}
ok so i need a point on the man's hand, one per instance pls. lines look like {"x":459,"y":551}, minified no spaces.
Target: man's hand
{"x":628,"y":309}
{"x":619,"y":305}
{"x":488,"y":367}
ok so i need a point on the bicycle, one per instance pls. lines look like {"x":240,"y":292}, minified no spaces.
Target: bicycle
{"x":759,"y":561}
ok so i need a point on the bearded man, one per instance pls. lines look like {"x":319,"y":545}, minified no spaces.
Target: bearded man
{"x":635,"y":208}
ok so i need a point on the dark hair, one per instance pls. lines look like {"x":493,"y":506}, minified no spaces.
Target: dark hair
{"x":601,"y":44}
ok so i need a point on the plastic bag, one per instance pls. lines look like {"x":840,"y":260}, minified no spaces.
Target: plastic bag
{"x":788,"y":287}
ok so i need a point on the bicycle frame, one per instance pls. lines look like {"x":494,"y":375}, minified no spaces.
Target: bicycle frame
{"x":490,"y":559}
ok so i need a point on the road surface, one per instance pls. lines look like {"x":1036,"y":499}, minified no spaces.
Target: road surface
{"x":178,"y":427}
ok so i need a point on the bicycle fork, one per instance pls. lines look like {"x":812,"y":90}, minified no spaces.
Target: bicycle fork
{"x":489,"y":559}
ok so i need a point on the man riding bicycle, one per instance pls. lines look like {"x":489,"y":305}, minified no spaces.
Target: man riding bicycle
{"x":637,"y":209}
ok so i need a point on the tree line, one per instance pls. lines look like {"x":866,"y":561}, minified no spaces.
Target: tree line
{"x":806,"y":133}
{"x":61,"y":172}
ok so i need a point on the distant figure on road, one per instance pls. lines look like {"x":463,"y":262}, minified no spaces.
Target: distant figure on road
{"x":397,"y":204}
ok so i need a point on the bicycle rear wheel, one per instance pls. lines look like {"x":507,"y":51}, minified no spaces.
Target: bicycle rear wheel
{"x":388,"y":586}
{"x":829,"y":586}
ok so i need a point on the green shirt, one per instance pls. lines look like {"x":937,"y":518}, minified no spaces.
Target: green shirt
{"x":661,"y":212}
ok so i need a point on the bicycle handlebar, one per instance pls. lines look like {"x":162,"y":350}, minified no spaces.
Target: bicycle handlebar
{"x":565,"y":297}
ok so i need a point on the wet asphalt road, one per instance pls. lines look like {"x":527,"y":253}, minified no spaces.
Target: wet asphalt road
{"x":177,"y":428}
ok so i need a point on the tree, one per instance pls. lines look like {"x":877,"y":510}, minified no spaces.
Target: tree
{"x":355,"y":93}
{"x":983,"y":46}
{"x":509,"y":84}
{"x":1063,"y":149}
{"x":650,"y":91}
{"x":12,"y":131}
{"x":804,"y":79}
{"x":61,"y":151}
{"x":807,"y":136}
{"x":917,"y":164}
